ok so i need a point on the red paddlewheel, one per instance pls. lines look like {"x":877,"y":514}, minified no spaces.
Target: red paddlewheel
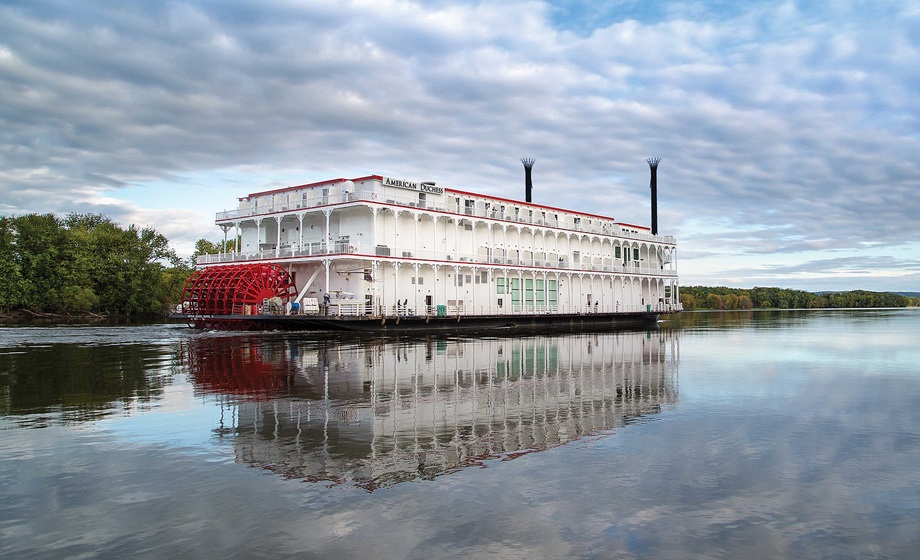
{"x":226,"y":290}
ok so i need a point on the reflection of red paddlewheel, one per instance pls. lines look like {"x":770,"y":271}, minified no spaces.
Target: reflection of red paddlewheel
{"x":238,"y":366}
{"x":233,"y":290}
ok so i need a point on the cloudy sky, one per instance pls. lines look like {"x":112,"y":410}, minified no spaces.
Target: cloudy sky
{"x":789,"y":132}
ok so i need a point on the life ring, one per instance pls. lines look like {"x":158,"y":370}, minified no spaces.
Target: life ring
{"x":351,"y":248}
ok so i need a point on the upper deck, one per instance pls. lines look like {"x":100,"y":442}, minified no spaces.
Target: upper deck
{"x":371,"y":190}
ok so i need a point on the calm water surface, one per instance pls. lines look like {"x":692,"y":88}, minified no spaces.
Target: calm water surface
{"x":724,"y":435}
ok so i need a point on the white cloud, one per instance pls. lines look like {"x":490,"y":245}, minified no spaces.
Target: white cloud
{"x":795,"y":128}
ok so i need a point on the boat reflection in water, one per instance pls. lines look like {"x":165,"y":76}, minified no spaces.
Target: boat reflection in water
{"x":383,"y":412}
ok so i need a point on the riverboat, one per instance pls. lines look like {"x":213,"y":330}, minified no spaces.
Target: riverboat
{"x":378,"y":253}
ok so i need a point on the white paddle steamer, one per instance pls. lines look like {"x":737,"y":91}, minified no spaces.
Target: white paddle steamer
{"x":382,"y":253}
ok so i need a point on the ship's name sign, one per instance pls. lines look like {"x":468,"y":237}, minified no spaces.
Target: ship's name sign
{"x":425,"y":187}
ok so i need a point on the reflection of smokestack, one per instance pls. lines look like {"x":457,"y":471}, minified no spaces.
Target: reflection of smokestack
{"x":528,"y":182}
{"x":653,"y":165}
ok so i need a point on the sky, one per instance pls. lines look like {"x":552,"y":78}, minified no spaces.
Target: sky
{"x":788,"y":132}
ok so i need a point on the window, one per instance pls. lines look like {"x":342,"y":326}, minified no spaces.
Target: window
{"x":500,"y":285}
{"x":636,"y":254}
{"x":616,"y":252}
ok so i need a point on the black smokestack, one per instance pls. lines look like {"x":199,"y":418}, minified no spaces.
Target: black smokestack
{"x":528,"y":182}
{"x":653,"y":165}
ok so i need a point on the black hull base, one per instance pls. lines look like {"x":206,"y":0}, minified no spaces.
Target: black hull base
{"x":414,"y":324}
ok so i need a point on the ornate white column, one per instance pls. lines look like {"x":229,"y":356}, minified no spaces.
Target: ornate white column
{"x":226,"y":228}
{"x":259,"y":236}
{"x":375,"y":267}
{"x":300,"y":217}
{"x":434,"y":296}
{"x":475,"y":279}
{"x":278,"y":237}
{"x":416,"y":266}
{"x":328,"y":234}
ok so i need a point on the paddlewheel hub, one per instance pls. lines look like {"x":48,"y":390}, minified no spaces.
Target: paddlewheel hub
{"x":217,"y":292}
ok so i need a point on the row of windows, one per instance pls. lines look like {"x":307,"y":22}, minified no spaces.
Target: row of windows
{"x":618,"y":254}
{"x":481,"y":278}
{"x":532,"y":290}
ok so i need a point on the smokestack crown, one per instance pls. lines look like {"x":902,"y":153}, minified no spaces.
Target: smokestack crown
{"x":528,"y":183}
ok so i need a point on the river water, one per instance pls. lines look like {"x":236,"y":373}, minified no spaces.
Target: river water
{"x":722,"y":435}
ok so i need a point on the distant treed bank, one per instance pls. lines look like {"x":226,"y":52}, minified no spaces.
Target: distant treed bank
{"x":702,"y":297}
{"x":86,"y":263}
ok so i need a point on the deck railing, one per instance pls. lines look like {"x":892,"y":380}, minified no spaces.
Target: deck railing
{"x":570,"y":223}
{"x":357,"y":308}
{"x":451,"y":259}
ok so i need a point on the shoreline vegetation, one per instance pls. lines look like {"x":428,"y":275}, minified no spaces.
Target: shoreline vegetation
{"x":86,"y":266}
{"x":721,"y":298}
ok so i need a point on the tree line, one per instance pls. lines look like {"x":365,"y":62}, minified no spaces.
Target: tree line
{"x":704,"y":297}
{"x":86,"y":263}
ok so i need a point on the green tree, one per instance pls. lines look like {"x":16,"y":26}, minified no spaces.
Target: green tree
{"x":88,"y":262}
{"x":40,"y":240}
{"x":205,"y":247}
{"x":11,"y":282}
